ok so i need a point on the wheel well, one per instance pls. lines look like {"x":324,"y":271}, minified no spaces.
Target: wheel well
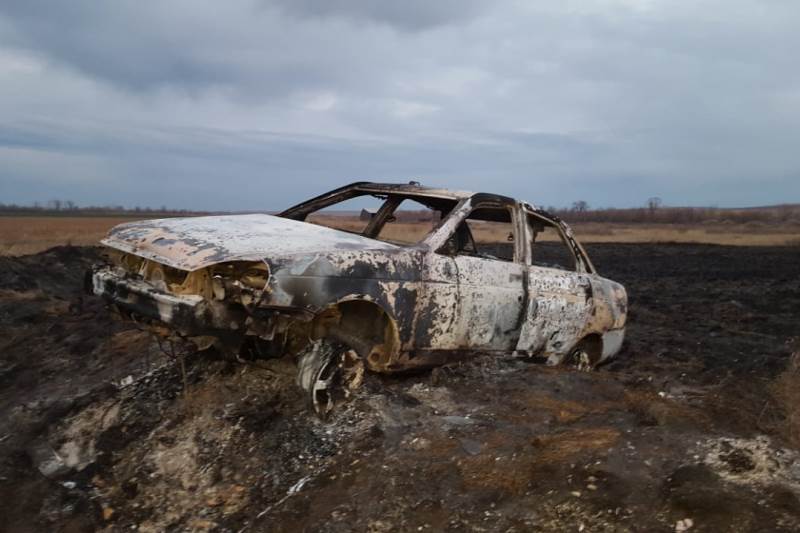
{"x":364,"y":326}
{"x":593,"y":345}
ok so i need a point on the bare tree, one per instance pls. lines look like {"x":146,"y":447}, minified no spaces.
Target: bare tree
{"x":581,"y":206}
{"x":653,"y":203}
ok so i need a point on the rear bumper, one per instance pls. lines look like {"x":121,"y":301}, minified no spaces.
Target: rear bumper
{"x":189,"y":314}
{"x":612,"y":343}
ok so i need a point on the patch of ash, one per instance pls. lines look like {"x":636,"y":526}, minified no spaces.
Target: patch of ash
{"x":234,"y":445}
{"x":439,"y":400}
{"x":753,"y":461}
{"x":78,"y":434}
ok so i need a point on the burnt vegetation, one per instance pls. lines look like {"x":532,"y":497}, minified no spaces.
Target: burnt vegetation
{"x":696,"y":419}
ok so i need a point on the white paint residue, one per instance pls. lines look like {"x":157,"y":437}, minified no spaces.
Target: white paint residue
{"x":197,"y":242}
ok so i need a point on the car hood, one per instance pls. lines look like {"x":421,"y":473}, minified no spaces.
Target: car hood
{"x":197,"y":242}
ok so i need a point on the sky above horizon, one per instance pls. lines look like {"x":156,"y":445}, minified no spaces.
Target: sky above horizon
{"x":259,"y":104}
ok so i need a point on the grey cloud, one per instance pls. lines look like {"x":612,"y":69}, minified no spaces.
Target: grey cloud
{"x":144,"y":46}
{"x":410,"y":15}
{"x":260,"y":51}
{"x":599,"y":100}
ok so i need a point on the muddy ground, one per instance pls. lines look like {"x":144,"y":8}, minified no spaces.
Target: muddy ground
{"x":682,"y":432}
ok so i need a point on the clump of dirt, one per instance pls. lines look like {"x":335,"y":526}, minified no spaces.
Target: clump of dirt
{"x":98,"y":433}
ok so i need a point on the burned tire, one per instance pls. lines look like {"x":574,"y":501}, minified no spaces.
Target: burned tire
{"x":579,"y":359}
{"x":328,"y":373}
{"x":586,"y":355}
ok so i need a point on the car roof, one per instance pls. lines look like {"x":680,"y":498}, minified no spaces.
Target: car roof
{"x":413,"y":189}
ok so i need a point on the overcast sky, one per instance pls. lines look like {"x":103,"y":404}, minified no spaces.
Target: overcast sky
{"x":259,"y":104}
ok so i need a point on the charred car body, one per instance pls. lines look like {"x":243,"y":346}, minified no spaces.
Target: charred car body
{"x":477,"y":281}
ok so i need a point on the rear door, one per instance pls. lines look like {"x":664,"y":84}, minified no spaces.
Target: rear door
{"x":559,"y":292}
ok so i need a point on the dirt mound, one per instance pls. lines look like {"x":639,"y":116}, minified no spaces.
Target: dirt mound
{"x":58,"y":271}
{"x":96,"y":431}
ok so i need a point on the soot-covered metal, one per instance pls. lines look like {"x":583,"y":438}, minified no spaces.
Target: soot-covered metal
{"x":287,"y":285}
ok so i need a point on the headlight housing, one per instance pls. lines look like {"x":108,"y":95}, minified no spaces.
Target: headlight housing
{"x":236,"y":280}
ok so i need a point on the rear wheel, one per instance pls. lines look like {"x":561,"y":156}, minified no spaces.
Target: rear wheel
{"x":328,"y":373}
{"x":586,"y":355}
{"x":579,"y":359}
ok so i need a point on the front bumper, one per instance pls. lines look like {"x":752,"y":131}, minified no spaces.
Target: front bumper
{"x":188,"y":314}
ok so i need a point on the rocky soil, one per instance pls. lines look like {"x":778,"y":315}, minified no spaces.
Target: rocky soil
{"x":683,"y":432}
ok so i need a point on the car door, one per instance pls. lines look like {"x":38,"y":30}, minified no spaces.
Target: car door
{"x":559,"y":293}
{"x":490,"y":276}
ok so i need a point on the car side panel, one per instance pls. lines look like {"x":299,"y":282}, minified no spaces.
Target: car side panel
{"x":491,"y":299}
{"x":559,"y":310}
{"x":418,"y":290}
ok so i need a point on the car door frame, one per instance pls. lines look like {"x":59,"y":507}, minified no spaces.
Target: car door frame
{"x":471,"y":325}
{"x":560,"y":302}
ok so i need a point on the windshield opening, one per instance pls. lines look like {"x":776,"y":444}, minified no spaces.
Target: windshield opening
{"x":394,"y":218}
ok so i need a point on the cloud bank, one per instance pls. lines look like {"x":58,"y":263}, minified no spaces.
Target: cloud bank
{"x":259,"y":104}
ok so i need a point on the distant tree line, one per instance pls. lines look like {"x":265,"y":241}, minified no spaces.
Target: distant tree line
{"x":68,"y":207}
{"x":654,"y":211}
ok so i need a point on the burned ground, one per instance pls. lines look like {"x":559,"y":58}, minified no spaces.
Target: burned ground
{"x":681,"y":430}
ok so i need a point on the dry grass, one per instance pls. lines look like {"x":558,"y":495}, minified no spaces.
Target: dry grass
{"x":27,"y":234}
{"x":510,"y":469}
{"x":747,"y":234}
{"x":404,"y":232}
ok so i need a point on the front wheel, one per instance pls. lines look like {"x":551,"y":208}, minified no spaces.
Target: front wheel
{"x":328,"y":372}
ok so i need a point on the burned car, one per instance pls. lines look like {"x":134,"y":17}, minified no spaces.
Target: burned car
{"x":429,"y":276}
